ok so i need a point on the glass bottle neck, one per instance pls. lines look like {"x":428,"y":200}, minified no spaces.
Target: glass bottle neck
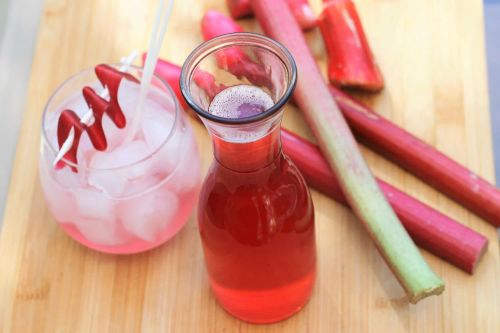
{"x":248,"y":147}
{"x":248,"y":156}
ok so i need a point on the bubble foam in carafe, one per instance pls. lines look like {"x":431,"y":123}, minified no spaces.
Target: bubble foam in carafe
{"x":241,"y":101}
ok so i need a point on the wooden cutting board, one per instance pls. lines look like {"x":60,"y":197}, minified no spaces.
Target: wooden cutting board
{"x":432,"y":56}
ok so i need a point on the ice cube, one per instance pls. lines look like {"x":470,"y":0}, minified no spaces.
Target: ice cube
{"x":188,"y":174}
{"x":141,"y":185}
{"x":158,"y":98}
{"x":119,"y":158}
{"x":114,"y":135}
{"x":95,"y":217}
{"x":156,"y":126}
{"x":62,"y":207}
{"x":94,"y":205}
{"x":146,"y":216}
{"x":102,"y":232}
{"x":111,"y":182}
{"x":76,"y":103}
{"x":66,"y":178}
{"x":50,"y":126}
{"x":130,"y":153}
{"x":128,"y":97}
{"x":59,"y":200}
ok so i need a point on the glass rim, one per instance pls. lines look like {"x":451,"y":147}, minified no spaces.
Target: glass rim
{"x":149,"y":155}
{"x":229,"y":40}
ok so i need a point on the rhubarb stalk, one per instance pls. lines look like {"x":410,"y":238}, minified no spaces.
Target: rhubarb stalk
{"x":300,"y":8}
{"x":421,"y":159}
{"x":341,"y":151}
{"x":350,"y":60}
{"x":171,"y":74}
{"x":233,"y":59}
{"x":431,"y":230}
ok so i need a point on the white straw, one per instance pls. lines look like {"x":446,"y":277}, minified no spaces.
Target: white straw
{"x":88,"y":118}
{"x":159,"y":29}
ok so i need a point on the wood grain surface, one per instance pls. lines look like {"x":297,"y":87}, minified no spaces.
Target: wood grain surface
{"x":432,"y":56}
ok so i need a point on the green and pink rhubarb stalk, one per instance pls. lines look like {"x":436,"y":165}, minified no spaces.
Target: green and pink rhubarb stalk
{"x":341,"y":151}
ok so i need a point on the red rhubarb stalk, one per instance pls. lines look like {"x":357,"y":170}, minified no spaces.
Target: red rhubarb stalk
{"x":215,"y":23}
{"x":341,"y":151}
{"x":350,"y":60}
{"x":300,"y":8}
{"x":421,"y":159}
{"x":206,"y":82}
{"x":430,"y":229}
{"x":233,"y":59}
{"x":170,"y":73}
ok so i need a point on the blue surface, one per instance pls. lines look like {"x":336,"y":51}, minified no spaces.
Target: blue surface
{"x":492,"y":28}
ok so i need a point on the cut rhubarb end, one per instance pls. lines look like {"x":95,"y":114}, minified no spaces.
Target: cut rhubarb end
{"x":341,"y":151}
{"x":479,"y":257}
{"x":350,"y":61}
{"x":414,"y":299}
{"x":239,"y":8}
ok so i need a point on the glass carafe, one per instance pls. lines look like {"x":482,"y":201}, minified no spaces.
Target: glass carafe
{"x":255,"y":213}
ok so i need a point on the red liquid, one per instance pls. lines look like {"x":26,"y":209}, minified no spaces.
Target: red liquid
{"x":257,"y":230}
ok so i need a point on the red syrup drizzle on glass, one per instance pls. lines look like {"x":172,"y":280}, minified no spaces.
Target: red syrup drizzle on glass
{"x":110,"y":78}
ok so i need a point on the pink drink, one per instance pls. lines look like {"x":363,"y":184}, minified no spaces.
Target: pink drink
{"x":134,"y":195}
{"x":255,"y":215}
